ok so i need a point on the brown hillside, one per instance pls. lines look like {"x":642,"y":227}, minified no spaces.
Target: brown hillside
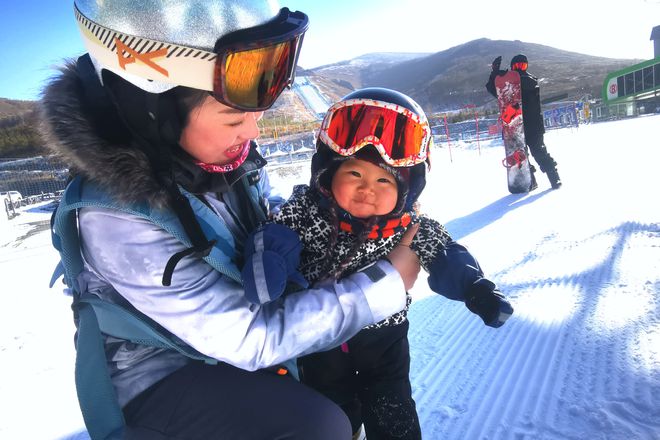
{"x":455,"y":77}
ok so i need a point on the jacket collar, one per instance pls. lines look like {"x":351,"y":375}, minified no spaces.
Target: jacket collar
{"x":194,"y":179}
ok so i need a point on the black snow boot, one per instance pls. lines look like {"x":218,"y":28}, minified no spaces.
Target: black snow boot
{"x":553,"y":177}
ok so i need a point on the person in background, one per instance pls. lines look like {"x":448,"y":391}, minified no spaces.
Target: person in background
{"x":532,"y":116}
{"x":157,"y":122}
{"x":367,"y":173}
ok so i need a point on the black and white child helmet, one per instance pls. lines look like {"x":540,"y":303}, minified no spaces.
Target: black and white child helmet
{"x":408,"y":126}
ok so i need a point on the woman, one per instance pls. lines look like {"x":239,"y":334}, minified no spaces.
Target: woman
{"x":157,"y":122}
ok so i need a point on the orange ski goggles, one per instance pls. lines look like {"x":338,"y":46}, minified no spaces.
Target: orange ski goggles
{"x":401,"y":137}
{"x":519,"y":66}
{"x":255,"y":65}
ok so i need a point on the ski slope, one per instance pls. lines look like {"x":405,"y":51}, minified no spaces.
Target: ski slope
{"x":579,"y":359}
{"x":310,"y":95}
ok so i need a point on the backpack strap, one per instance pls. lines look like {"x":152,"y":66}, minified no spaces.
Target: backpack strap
{"x":96,"y":394}
{"x":103,"y":417}
{"x":250,"y":185}
{"x":123,"y":321}
{"x":77,"y":196}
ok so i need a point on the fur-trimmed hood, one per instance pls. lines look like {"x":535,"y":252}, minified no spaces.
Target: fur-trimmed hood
{"x":81,"y":125}
{"x":75,"y":133}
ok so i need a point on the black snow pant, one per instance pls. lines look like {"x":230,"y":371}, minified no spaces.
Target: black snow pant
{"x":207,"y":402}
{"x":540,"y":152}
{"x":368,"y":379}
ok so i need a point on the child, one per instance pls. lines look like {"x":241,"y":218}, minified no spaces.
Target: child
{"x":367,"y":173}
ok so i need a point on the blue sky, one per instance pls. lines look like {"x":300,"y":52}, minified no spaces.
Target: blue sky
{"x":35,"y":35}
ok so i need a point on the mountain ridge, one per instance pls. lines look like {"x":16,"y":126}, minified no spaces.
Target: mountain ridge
{"x":450,"y":78}
{"x":443,"y":81}
{"x":455,"y":77}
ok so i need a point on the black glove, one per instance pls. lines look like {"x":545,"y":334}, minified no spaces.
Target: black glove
{"x":496,"y":63}
{"x":484,"y":299}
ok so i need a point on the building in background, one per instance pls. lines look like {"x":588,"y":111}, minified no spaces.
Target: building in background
{"x":634,"y":90}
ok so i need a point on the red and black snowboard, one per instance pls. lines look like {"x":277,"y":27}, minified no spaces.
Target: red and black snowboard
{"x":516,"y":161}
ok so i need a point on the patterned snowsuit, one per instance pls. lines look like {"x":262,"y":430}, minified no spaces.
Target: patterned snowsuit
{"x":368,"y":375}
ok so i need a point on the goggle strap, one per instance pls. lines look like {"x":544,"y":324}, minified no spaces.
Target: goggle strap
{"x":272,"y":32}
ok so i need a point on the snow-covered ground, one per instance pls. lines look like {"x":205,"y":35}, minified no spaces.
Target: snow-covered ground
{"x":579,"y":359}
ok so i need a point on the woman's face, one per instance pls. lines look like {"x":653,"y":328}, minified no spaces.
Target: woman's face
{"x":364,"y":189}
{"x":218,"y":134}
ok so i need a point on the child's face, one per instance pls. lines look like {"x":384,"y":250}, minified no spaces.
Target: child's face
{"x":364,"y":189}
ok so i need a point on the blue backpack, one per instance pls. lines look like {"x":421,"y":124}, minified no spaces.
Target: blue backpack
{"x":97,"y":397}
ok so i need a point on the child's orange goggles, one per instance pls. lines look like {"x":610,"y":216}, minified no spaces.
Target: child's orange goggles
{"x":401,"y":137}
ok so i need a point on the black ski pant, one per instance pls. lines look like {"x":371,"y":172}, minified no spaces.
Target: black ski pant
{"x":540,"y":153}
{"x":207,"y":402}
{"x":369,"y":380}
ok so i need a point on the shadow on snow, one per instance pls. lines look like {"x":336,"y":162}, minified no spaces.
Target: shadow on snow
{"x":466,"y":225}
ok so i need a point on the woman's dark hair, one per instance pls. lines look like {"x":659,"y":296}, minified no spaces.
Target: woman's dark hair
{"x":186,"y":99}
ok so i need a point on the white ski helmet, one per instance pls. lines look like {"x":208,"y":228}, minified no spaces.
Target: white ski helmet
{"x":243,"y":51}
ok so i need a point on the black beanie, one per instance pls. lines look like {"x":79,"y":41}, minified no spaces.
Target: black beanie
{"x":520,"y":58}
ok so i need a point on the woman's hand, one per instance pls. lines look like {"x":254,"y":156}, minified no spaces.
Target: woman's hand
{"x":404,"y":260}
